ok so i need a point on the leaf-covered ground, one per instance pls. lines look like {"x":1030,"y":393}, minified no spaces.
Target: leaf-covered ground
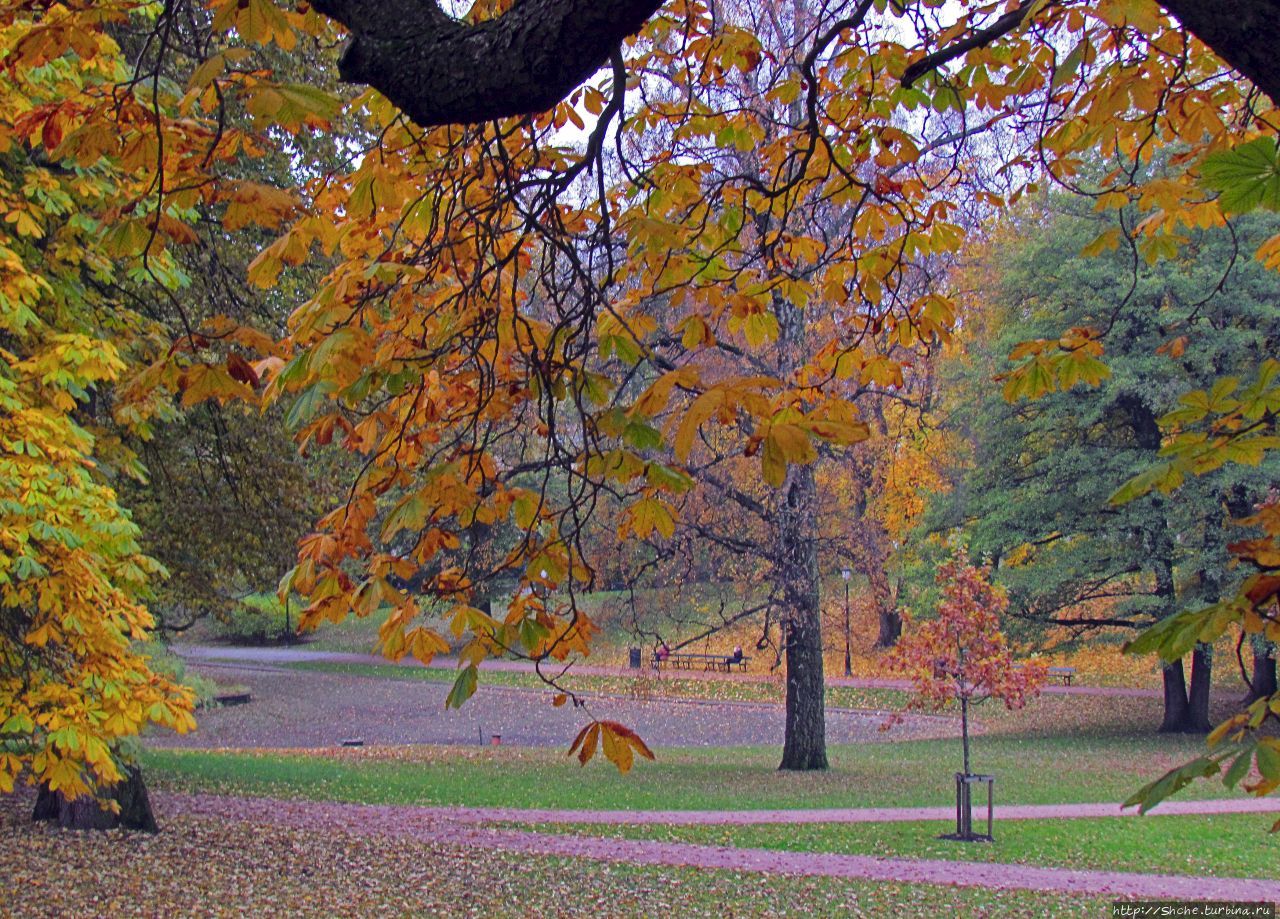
{"x":1051,"y":713}
{"x":318,"y":709}
{"x":198,"y":866}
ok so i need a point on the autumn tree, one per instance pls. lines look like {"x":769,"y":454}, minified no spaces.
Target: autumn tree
{"x":492,"y":338}
{"x":736,"y":165}
{"x":961,"y":655}
{"x":75,"y":682}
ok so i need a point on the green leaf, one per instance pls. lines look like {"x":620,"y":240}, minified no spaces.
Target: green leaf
{"x":1151,"y":794}
{"x":1173,"y":637}
{"x":1247,"y":177}
{"x":642,"y":436}
{"x":1239,"y":767}
{"x":1070,"y":66}
{"x":410,"y":514}
{"x":309,"y":401}
{"x":532,"y":633}
{"x":1268,"y":761}
{"x":464,"y":688}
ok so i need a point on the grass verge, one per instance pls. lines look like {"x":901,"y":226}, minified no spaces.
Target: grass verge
{"x":1203,"y":845}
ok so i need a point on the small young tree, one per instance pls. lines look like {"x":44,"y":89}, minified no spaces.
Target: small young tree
{"x":962,"y":655}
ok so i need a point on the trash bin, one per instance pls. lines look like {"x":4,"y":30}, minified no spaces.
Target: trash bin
{"x":635,"y":658}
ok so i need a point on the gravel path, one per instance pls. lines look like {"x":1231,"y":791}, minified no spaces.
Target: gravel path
{"x":427,"y":825}
{"x":308,"y":708}
{"x":300,"y":654}
{"x":836,"y":815}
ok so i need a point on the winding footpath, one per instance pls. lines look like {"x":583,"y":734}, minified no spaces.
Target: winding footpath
{"x":473,"y":828}
{"x":460,"y":826}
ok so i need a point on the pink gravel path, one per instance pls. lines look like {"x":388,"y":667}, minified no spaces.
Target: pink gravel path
{"x":837,"y":815}
{"x":297,"y":654}
{"x":413,"y":823}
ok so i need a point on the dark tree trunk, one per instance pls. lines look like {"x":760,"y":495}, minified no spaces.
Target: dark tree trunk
{"x":1263,"y":682}
{"x":1176,"y":706}
{"x":886,"y":607}
{"x":84,"y":813}
{"x":890,"y":628}
{"x":1198,"y":696}
{"x":805,"y":744}
{"x":1176,"y":709}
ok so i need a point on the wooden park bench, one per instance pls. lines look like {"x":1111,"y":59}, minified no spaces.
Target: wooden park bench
{"x":681,"y":660}
{"x":1064,"y":675}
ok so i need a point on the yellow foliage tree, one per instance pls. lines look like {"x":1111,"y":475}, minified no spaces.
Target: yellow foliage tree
{"x":73,"y":682}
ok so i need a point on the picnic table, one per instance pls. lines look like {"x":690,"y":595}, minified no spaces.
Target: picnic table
{"x":682,"y":660}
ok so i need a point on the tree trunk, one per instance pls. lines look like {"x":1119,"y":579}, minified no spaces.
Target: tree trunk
{"x":1263,"y":683}
{"x":1176,"y":709}
{"x":85,"y":813}
{"x":805,"y":743}
{"x":886,"y":607}
{"x":890,"y":628}
{"x":1198,"y":697}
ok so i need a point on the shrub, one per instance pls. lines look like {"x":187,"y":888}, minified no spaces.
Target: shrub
{"x":258,"y":619}
{"x":165,"y":662}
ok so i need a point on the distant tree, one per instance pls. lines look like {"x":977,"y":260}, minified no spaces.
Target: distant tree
{"x":1033,"y":493}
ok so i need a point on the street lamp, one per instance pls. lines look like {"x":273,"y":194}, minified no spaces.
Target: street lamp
{"x":848,"y":635}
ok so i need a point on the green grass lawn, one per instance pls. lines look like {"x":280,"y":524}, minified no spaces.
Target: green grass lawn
{"x":1214,"y":845}
{"x":1029,"y":771}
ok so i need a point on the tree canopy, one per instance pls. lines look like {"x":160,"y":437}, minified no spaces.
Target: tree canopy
{"x":714,"y":248}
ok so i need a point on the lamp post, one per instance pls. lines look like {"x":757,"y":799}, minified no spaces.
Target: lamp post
{"x":848,"y":635}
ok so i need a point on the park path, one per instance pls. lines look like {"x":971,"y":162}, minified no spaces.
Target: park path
{"x":427,"y":824}
{"x":289,"y":655}
{"x":314,"y":708}
{"x":1266,"y":805}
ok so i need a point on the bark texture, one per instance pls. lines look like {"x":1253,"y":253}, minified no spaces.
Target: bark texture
{"x":1263,"y":680}
{"x":805,"y":744}
{"x":1244,"y":33}
{"x":1175,"y":699}
{"x":439,"y":70}
{"x":1198,"y":694}
{"x":85,"y":813}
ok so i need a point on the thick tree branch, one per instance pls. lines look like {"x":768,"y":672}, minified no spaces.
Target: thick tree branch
{"x":1001,"y":27}
{"x":1244,"y":33}
{"x":439,"y":70}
